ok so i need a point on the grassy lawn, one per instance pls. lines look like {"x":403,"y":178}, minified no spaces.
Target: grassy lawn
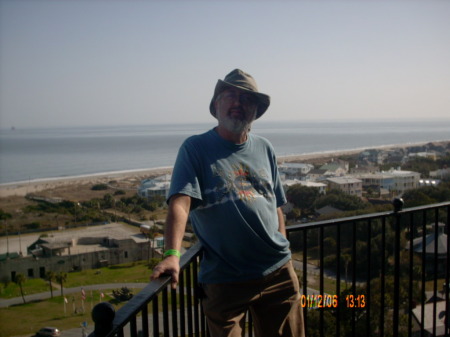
{"x":26,"y":319}
{"x":131,"y":272}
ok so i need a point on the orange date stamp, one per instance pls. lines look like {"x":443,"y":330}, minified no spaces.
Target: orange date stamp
{"x":331,"y":301}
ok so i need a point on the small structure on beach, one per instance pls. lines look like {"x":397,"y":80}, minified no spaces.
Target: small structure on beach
{"x":158,"y":186}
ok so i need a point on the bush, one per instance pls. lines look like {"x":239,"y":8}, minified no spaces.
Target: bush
{"x":99,"y":187}
{"x":33,"y":225}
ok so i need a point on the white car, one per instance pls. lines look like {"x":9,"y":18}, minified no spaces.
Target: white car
{"x":48,"y":332}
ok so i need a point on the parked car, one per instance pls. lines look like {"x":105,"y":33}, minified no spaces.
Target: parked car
{"x":48,"y":332}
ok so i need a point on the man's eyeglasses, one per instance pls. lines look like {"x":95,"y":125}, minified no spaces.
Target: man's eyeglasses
{"x":244,"y":99}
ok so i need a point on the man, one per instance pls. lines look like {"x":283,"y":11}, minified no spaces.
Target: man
{"x":227,"y":181}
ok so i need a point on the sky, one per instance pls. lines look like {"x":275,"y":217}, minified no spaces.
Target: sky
{"x":100,"y":63}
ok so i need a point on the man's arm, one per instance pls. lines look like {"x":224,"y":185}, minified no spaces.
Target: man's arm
{"x":281,"y":223}
{"x":179,"y":206}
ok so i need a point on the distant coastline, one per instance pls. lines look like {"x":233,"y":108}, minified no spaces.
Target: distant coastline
{"x":23,"y":188}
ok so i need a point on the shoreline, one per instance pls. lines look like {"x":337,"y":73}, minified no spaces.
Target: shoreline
{"x":23,"y":188}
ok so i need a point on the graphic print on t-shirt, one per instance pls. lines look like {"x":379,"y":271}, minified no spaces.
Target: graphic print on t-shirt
{"x":242,"y":183}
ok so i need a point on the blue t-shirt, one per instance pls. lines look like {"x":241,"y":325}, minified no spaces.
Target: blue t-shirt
{"x":235,"y":192}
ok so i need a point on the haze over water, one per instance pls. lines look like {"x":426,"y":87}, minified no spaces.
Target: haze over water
{"x":29,"y":154}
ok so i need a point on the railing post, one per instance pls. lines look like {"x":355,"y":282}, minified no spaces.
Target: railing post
{"x":103,"y":316}
{"x":398,"y":206}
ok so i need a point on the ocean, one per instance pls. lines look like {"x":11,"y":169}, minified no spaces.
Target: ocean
{"x":35,"y":154}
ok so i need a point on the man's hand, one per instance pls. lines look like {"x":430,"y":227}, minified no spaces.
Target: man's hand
{"x":169,"y":266}
{"x":179,"y":205}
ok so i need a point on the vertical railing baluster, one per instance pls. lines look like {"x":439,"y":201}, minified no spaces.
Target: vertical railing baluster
{"x":155,"y":315}
{"x":423,"y":301}
{"x":305,"y":276}
{"x":338,"y":281}
{"x":196,"y":299}
{"x":382,"y":276}
{"x":144,"y":318}
{"x":321,"y":280}
{"x":396,"y":275}
{"x":189,"y":301}
{"x":436,"y":252}
{"x":411,"y":275}
{"x":369,"y":277}
{"x":353,"y":274}
{"x":133,"y":326}
{"x":447,"y":277}
{"x":182,"y":308}
{"x":173,"y":300}
{"x":165,"y":303}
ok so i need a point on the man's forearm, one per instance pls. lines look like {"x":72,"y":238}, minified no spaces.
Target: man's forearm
{"x":177,"y":216}
{"x":281,"y":223}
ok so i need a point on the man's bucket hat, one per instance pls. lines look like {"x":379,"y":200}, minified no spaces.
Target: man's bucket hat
{"x":242,"y":81}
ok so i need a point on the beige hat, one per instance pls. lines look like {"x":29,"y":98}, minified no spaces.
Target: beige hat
{"x":242,"y":81}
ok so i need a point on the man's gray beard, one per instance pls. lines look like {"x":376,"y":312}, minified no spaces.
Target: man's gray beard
{"x":236,"y":126}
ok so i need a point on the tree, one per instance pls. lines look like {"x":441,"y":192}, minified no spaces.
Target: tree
{"x":4,"y":215}
{"x":302,"y":197}
{"x":20,"y":280}
{"x":340,"y":200}
{"x":50,"y":277}
{"x":61,"y":277}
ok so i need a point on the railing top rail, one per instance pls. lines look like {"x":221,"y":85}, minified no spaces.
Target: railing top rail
{"x":362,"y":217}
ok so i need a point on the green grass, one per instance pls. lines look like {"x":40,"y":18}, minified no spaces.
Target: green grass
{"x":30,"y":317}
{"x":26,"y":319}
{"x":31,"y":286}
{"x":137,"y":272}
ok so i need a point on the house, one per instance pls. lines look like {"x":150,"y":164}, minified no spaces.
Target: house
{"x":316,"y":175}
{"x":429,"y":246}
{"x":155,"y":187}
{"x":320,"y":186}
{"x":336,"y":168}
{"x":348,"y":185}
{"x":430,"y":155}
{"x":328,"y":210}
{"x":404,"y":180}
{"x":441,"y":174}
{"x":294,"y":170}
{"x":377,"y":181}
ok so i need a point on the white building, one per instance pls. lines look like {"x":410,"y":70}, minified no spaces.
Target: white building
{"x":155,"y":187}
{"x":404,"y":180}
{"x":348,"y":185}
{"x":440,"y":174}
{"x":295,"y":169}
{"x":320,"y":186}
{"x":378,"y":181}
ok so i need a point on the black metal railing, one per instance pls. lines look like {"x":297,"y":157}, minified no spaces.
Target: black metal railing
{"x":366,"y":275}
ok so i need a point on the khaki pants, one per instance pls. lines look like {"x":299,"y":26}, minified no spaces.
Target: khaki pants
{"x":274,"y":302}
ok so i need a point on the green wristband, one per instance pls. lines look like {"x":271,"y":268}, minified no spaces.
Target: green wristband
{"x":172,"y":252}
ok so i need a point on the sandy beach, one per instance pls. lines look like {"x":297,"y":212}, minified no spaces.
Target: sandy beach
{"x":125,"y":178}
{"x":132,"y":178}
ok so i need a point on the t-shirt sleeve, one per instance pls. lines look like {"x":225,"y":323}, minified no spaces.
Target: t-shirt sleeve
{"x":185,"y":175}
{"x":277,"y":184}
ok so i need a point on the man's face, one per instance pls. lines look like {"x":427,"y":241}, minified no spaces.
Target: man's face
{"x":235,"y":110}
